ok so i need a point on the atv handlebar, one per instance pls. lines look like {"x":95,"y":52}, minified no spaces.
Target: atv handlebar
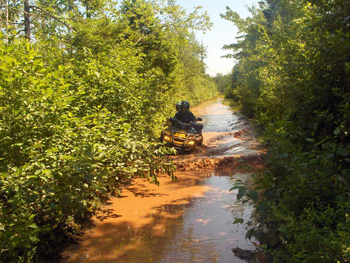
{"x":172,"y":119}
{"x":175,"y":122}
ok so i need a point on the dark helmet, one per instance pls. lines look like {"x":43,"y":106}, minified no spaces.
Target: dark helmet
{"x":185,"y":103}
{"x":178,"y":105}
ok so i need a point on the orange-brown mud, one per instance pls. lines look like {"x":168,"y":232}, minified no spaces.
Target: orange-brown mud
{"x":211,"y":156}
{"x":131,"y":226}
{"x":139,"y":225}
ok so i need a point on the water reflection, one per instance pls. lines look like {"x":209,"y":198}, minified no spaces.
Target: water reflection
{"x":221,"y":120}
{"x":206,"y":233}
{"x":167,"y":225}
{"x":218,"y":117}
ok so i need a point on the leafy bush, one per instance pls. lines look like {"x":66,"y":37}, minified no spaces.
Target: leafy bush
{"x":293,"y":78}
{"x":81,"y":110}
{"x":63,"y":149}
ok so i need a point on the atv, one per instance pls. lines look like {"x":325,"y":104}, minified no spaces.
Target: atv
{"x":182,"y":136}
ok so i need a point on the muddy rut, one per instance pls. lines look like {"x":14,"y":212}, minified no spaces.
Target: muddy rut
{"x":213,"y":155}
{"x":188,"y":220}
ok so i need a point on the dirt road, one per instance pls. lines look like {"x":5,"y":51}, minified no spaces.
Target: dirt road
{"x":178,"y":221}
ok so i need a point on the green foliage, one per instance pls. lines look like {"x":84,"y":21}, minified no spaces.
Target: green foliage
{"x":293,"y":78}
{"x":223,"y":83}
{"x":81,"y":111}
{"x":65,"y":145}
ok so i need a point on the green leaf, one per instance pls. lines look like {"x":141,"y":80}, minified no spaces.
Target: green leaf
{"x":249,"y":233}
{"x":337,"y":131}
{"x":253,"y":195}
{"x":330,"y":156}
{"x":238,"y":221}
{"x":233,"y":188}
{"x":241,"y":192}
{"x":255,"y":176}
{"x":67,"y":157}
{"x":33,"y":225}
{"x":283,"y":155}
{"x":343,"y":152}
{"x":34,"y":239}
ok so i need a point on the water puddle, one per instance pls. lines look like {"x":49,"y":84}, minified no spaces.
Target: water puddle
{"x":221,"y":125}
{"x":218,"y":117}
{"x":206,"y":233}
{"x":190,"y":220}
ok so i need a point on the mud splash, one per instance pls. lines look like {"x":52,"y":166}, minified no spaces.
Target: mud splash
{"x":189,"y":220}
{"x":231,"y":147}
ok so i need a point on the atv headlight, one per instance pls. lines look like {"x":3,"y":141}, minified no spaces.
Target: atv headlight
{"x":167,"y":138}
{"x":190,"y":142}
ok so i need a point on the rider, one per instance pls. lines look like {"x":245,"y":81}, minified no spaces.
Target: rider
{"x":186,"y":116}
{"x":178,"y":106}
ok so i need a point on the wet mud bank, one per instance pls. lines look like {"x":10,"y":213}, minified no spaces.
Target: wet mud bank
{"x":238,"y":163}
{"x":224,"y":151}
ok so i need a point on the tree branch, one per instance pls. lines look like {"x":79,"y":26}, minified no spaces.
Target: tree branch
{"x":188,"y":77}
{"x":52,"y":16}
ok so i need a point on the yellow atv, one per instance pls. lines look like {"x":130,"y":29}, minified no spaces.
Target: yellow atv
{"x":182,"y":136}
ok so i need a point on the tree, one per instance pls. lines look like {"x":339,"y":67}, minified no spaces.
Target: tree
{"x":292,"y":77}
{"x":82,"y":106}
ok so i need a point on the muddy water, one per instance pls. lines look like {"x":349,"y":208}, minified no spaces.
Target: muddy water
{"x":220,"y":122}
{"x":206,"y":232}
{"x":189,"y":220}
{"x":218,"y":117}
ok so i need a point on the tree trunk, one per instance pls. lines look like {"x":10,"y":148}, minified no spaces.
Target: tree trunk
{"x":27,"y":19}
{"x":0,"y":13}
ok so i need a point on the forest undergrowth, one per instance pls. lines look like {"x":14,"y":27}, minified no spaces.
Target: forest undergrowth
{"x":293,"y":79}
{"x":85,"y":89}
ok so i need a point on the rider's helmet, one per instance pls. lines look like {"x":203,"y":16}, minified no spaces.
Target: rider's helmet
{"x":186,"y":104}
{"x":178,"y":106}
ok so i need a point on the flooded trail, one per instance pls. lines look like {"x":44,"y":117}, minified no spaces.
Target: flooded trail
{"x":189,"y":220}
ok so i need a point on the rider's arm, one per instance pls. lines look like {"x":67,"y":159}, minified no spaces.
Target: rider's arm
{"x":193,"y":118}
{"x":178,"y":116}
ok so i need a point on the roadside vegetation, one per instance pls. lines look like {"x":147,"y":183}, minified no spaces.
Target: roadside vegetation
{"x":293,"y":79}
{"x":85,"y":88}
